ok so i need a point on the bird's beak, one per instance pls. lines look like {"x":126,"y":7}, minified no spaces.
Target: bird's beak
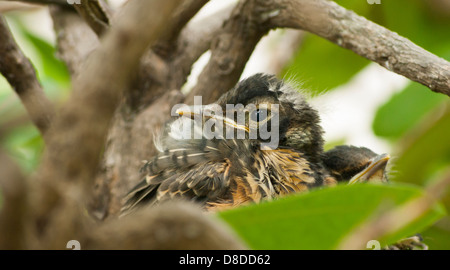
{"x":186,"y":112}
{"x":375,"y":172}
{"x":206,"y":112}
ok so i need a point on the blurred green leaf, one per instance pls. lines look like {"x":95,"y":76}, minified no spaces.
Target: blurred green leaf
{"x":51,"y":71}
{"x":404,"y":110}
{"x":321,"y":65}
{"x":437,"y":237}
{"x":320,"y":218}
{"x":419,"y":23}
{"x":25,"y":146}
{"x":52,"y":67}
{"x":332,"y":144}
{"x":426,"y":149}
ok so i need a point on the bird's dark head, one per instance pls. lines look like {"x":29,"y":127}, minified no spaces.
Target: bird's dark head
{"x":269,"y":105}
{"x":352,"y":164}
{"x":299,"y":124}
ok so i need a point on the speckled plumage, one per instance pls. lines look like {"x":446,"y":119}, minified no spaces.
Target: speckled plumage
{"x":221,"y":173}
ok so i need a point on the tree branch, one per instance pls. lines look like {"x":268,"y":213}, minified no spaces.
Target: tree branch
{"x":19,"y":72}
{"x":13,"y":209}
{"x":154,"y":69}
{"x":75,"y":39}
{"x":155,"y":64}
{"x":78,"y":135}
{"x":230,"y":51}
{"x":43,"y":2}
{"x":181,"y":16}
{"x":168,"y":226}
{"x":275,"y":51}
{"x":99,"y":86}
{"x":367,"y":39}
{"x":96,"y":14}
{"x":193,"y":41}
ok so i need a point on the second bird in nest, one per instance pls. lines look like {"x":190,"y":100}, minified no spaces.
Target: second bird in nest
{"x":223,"y":171}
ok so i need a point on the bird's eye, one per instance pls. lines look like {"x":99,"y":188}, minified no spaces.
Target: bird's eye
{"x":258,"y":115}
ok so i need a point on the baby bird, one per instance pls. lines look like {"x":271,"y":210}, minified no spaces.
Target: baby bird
{"x":259,"y":141}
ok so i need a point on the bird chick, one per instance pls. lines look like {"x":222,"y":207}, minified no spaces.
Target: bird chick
{"x":233,"y":161}
{"x":224,"y":172}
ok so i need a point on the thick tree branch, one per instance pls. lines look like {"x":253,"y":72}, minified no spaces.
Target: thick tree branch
{"x":194,"y":40}
{"x":13,"y":208}
{"x":372,"y":41}
{"x":146,"y":107}
{"x":75,"y":39}
{"x":78,"y":135}
{"x":230,"y":51}
{"x":155,"y":69}
{"x":99,"y":86}
{"x":14,"y":6}
{"x":44,"y":2}
{"x":96,"y":14}
{"x":274,"y":52}
{"x":129,"y":144}
{"x":167,"y":226}
{"x":181,"y":16}
{"x":19,"y":72}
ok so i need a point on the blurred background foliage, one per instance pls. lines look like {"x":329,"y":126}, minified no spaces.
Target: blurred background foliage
{"x":24,"y":142}
{"x":414,"y":121}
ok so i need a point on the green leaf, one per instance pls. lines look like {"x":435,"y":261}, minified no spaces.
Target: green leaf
{"x":51,"y":66}
{"x":419,"y":22}
{"x":332,"y":144}
{"x":321,"y":65}
{"x":425,"y":151}
{"x":25,"y":146}
{"x":319,"y":219}
{"x":437,"y":237}
{"x":404,"y":110}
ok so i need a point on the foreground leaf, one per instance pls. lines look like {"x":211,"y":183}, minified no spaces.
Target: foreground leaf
{"x":319,"y":219}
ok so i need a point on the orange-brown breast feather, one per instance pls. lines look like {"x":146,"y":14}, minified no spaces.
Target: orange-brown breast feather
{"x":293,"y":170}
